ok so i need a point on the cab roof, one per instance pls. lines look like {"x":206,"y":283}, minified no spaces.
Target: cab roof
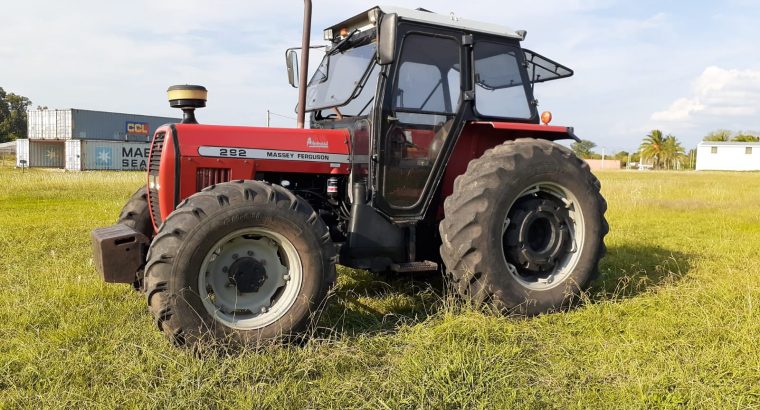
{"x":428,"y":17}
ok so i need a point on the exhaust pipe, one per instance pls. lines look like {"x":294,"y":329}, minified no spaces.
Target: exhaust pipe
{"x":306,"y":42}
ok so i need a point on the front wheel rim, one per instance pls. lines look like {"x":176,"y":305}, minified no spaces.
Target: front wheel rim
{"x":554,"y":230}
{"x":250,"y":278}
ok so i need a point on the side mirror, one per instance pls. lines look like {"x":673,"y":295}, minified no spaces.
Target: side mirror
{"x":386,"y":39}
{"x":291,"y":61}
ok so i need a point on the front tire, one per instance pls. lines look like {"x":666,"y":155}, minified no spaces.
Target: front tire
{"x":136,"y":215}
{"x":239,"y":263}
{"x":524,"y":229}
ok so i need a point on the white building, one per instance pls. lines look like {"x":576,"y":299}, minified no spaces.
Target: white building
{"x":728,"y":156}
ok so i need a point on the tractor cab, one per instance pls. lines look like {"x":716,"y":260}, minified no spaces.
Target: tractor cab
{"x":408,"y":84}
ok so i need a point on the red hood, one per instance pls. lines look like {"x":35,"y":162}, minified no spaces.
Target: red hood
{"x":194,"y":136}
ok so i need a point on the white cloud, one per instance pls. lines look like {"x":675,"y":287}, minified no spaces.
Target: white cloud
{"x":717,"y":92}
{"x":680,"y":110}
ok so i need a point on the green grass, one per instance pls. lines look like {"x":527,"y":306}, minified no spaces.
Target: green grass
{"x":674,"y":321}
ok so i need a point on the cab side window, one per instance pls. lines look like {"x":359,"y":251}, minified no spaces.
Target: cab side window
{"x":499,"y":86}
{"x":425,"y":98}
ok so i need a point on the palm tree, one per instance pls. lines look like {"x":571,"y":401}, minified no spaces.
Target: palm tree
{"x":652,"y":148}
{"x":673,"y":152}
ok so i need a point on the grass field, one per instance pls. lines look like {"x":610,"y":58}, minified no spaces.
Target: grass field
{"x":674,"y":321}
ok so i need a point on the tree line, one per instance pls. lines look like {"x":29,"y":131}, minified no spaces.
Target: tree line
{"x":730,"y":136}
{"x":663,"y":151}
{"x":13,"y":117}
{"x":657,"y":149}
{"x":585,"y":149}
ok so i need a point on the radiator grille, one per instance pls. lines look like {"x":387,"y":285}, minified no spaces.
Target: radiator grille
{"x":210,"y":176}
{"x":153,"y":166}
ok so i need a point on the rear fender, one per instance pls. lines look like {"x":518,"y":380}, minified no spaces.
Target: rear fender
{"x":479,"y":136}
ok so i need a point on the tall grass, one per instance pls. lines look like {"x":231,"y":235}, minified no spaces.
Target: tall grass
{"x":673,"y":321}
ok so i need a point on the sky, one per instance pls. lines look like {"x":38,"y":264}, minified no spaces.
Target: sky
{"x":685,"y":67}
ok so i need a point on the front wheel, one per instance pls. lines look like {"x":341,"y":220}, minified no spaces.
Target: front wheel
{"x":524,"y":228}
{"x":136,"y":215}
{"x":239,"y":263}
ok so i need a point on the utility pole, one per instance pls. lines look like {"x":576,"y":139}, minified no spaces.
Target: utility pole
{"x":269,"y":118}
{"x":604,"y":150}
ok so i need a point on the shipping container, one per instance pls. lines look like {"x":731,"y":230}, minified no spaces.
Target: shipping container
{"x":84,"y":155}
{"x":72,"y":124}
{"x":22,"y":153}
{"x":43,"y":154}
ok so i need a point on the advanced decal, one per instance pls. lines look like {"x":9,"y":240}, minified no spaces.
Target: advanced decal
{"x":229,"y":152}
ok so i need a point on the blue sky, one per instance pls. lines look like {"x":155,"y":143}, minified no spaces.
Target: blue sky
{"x":686,"y":67}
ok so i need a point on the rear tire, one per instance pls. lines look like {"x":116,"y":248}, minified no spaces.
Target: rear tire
{"x":524,"y":229}
{"x":239,"y":263}
{"x":136,"y":215}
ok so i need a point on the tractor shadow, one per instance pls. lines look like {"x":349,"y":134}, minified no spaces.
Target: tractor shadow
{"x":367,"y":303}
{"x":363,"y":303}
{"x":628,"y":271}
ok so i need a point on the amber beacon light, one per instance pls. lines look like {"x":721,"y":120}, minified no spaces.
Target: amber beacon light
{"x":546,"y":117}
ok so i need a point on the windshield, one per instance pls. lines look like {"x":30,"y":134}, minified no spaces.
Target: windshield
{"x":338,"y":76}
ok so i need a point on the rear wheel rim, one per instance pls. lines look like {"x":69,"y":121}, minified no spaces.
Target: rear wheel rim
{"x":556,"y":235}
{"x":250,"y":278}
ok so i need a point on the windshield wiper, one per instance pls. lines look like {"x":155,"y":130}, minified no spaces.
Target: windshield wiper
{"x":343,"y":44}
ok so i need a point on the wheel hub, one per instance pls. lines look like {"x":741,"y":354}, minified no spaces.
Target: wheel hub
{"x":247,"y":274}
{"x":250,"y":278}
{"x":537,"y":235}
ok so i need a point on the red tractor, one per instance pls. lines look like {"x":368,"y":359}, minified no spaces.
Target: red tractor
{"x":425,"y":147}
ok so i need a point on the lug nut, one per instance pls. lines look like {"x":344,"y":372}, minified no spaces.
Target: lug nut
{"x":264,"y":309}
{"x":286,"y":277}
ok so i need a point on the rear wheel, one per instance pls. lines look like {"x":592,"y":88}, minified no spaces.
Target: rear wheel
{"x":136,"y":215}
{"x":239,"y":263}
{"x":524,"y":228}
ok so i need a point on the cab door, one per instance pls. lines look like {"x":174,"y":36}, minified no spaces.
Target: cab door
{"x":422,"y":99}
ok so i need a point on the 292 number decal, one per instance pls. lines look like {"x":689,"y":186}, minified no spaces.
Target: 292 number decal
{"x":232,"y":152}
